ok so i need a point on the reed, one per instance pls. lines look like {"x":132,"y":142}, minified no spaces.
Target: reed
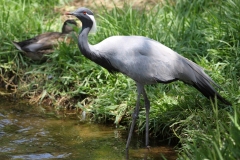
{"x":206,"y":32}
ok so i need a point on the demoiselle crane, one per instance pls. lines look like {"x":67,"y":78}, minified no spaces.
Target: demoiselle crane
{"x":144,"y":60}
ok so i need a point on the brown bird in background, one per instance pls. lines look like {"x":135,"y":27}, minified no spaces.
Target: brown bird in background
{"x":35,"y":48}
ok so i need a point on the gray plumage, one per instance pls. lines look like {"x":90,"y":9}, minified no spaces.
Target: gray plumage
{"x":144,"y":60}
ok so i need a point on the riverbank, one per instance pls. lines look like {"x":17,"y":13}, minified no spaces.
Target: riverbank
{"x":204,"y":32}
{"x":36,"y":132}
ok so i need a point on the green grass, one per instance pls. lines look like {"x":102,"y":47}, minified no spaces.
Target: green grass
{"x":206,"y":32}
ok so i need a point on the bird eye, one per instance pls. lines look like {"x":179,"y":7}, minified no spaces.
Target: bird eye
{"x":84,"y":13}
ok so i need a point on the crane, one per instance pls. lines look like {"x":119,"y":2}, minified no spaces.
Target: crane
{"x":144,"y":60}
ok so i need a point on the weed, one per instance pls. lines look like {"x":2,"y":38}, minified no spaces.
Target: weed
{"x":206,"y":32}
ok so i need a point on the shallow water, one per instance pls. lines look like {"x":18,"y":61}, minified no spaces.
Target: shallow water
{"x":28,"y":133}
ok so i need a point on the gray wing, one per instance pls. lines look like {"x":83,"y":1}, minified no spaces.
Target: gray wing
{"x":145,"y":60}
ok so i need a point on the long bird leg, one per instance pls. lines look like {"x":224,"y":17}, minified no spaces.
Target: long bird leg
{"x":135,"y":113}
{"x":147,"y":107}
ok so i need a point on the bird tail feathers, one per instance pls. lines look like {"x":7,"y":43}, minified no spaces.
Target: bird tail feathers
{"x":203,"y":83}
{"x":17,"y":46}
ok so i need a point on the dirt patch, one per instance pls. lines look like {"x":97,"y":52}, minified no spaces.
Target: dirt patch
{"x":108,"y":4}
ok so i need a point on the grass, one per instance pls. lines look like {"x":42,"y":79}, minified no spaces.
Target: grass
{"x":206,"y":32}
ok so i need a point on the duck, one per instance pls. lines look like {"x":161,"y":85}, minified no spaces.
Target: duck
{"x":35,"y":48}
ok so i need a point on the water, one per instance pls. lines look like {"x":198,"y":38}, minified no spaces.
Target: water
{"x":26,"y":132}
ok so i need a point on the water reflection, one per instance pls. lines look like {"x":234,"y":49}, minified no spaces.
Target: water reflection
{"x":26,"y":133}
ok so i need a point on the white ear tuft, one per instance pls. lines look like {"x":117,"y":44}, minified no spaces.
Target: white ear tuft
{"x":94,"y":26}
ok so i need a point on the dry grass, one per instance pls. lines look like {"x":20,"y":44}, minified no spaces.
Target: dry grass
{"x":109,"y":4}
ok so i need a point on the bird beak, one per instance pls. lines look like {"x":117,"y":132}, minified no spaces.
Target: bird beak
{"x":69,"y":13}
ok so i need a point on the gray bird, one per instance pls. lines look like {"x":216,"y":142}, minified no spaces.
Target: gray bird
{"x":144,"y":60}
{"x":35,"y":48}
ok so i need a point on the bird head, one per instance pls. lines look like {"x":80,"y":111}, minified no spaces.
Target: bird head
{"x":86,"y":16}
{"x":68,"y":26}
